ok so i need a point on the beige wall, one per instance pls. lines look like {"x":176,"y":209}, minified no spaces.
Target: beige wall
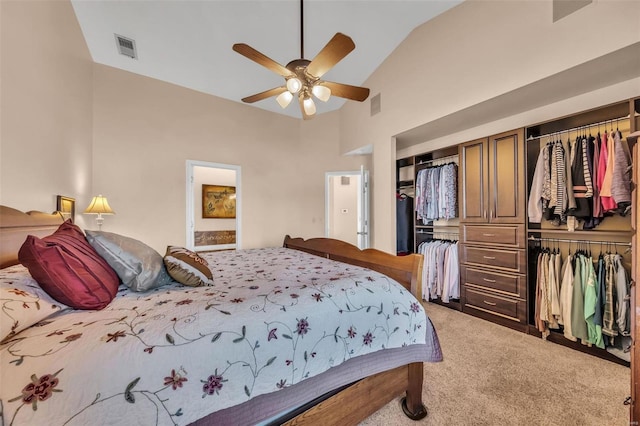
{"x":470,"y":54}
{"x":76,"y":128}
{"x":47,"y":97}
{"x":145,"y":130}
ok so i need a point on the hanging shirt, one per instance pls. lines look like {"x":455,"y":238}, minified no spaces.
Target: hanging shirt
{"x":608,"y":203}
{"x":535,"y":205}
{"x":594,"y":331}
{"x":608,"y":318}
{"x":566,"y":297}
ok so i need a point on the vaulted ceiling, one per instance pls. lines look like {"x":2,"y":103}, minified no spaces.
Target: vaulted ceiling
{"x":188,"y":42}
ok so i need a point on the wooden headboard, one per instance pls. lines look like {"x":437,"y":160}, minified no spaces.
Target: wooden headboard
{"x":407,"y":270}
{"x":16,"y":225}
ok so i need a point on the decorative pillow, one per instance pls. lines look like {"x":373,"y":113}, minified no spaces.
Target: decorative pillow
{"x":66,"y":266}
{"x":22,"y":302}
{"x":187,"y":267}
{"x":139,"y":266}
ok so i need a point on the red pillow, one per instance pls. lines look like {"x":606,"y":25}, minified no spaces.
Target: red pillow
{"x":69,"y":269}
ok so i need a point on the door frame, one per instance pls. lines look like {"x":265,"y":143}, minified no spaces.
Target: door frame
{"x":190,"y":211}
{"x":363,"y":228}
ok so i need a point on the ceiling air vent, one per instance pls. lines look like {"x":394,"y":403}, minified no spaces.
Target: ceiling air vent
{"x":126,"y":46}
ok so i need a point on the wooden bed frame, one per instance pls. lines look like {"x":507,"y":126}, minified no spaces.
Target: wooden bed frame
{"x":363,"y":398}
{"x":349,"y":405}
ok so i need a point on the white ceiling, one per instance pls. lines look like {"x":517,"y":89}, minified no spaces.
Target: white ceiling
{"x":188,"y":42}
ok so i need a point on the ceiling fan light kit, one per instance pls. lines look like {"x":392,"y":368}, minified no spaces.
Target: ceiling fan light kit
{"x":302,"y":77}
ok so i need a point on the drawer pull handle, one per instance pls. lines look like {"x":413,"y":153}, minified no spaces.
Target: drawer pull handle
{"x":488,"y":235}
{"x":490,"y":303}
{"x":489,"y":257}
{"x":488,"y":280}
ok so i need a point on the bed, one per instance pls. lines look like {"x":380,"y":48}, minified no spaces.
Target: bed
{"x":208,"y":355}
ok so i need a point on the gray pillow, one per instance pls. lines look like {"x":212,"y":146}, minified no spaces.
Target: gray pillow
{"x":138,"y":266}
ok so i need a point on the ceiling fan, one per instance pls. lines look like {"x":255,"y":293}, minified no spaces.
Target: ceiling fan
{"x":303,"y":77}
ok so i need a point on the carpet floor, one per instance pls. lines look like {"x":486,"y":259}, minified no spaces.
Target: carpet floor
{"x":492,"y":375}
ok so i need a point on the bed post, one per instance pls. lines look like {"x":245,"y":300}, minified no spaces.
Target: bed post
{"x":412,"y":404}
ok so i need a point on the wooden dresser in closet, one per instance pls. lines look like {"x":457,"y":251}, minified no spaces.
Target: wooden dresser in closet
{"x":492,"y":229}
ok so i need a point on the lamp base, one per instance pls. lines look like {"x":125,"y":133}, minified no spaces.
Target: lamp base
{"x":99,"y":221}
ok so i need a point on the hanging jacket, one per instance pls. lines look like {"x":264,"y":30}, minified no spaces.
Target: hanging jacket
{"x":621,"y":177}
{"x":594,"y":331}
{"x":578,"y":324}
{"x":622,"y":296}
{"x":581,"y":182}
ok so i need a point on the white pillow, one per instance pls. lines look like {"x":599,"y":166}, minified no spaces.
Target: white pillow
{"x":22,"y":302}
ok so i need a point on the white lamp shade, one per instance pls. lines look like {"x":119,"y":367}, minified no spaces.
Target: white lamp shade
{"x":99,"y":205}
{"x":284,"y":99}
{"x":321,"y":92}
{"x":294,"y":85}
{"x":309,"y":106}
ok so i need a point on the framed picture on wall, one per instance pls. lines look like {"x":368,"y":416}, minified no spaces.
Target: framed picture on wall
{"x":67,"y":207}
{"x":218,"y":202}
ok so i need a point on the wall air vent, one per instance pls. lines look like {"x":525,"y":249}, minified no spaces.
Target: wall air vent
{"x":375,"y":105}
{"x":126,"y":46}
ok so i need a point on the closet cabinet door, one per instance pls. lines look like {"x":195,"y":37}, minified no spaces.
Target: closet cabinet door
{"x":506,"y":177}
{"x":473,"y":182}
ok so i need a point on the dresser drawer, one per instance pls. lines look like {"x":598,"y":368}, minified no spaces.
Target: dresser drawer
{"x":503,"y":283}
{"x":505,"y":235}
{"x":503,"y":307}
{"x":505,"y":259}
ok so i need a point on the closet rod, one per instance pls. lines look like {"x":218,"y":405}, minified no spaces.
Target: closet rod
{"x":579,"y":127}
{"x":437,"y":232}
{"x":456,"y":156}
{"x":532,"y":238}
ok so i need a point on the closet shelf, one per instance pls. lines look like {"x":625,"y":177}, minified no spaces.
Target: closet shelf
{"x":595,"y":234}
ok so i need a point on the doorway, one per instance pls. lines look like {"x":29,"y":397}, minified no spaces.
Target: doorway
{"x":214,"y":206}
{"x":347,"y":207}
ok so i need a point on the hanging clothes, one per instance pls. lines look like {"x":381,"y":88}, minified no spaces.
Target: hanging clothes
{"x":440,"y":273}
{"x":404,"y":224}
{"x":437,"y":192}
{"x":593,"y":302}
{"x":621,"y":176}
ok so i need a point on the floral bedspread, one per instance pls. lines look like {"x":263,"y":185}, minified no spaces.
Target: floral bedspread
{"x":175,"y":354}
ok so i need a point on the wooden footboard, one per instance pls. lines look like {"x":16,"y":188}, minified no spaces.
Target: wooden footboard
{"x":363,"y":398}
{"x":407,"y":270}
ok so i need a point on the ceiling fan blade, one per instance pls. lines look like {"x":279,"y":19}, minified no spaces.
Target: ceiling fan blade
{"x":337,"y":48}
{"x":264,"y":95}
{"x":305,"y":116}
{"x":251,"y":53}
{"x":355,"y":93}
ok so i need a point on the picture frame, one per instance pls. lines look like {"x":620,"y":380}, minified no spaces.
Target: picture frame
{"x":67,"y":207}
{"x":218,"y":202}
